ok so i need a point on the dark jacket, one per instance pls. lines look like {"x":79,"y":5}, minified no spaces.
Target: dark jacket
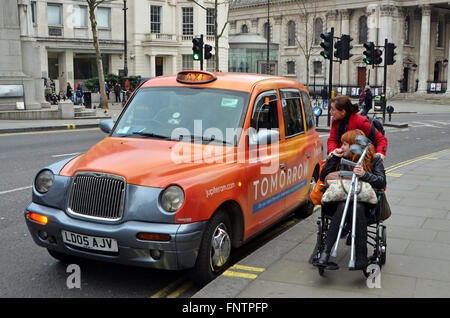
{"x":377,"y":178}
{"x":355,"y":121}
{"x":368,"y":98}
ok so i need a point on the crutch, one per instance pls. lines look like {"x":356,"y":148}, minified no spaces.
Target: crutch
{"x":356,"y":149}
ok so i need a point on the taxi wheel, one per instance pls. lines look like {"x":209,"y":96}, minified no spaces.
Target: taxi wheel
{"x":214,"y":253}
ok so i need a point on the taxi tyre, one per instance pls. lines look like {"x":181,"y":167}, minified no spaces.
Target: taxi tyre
{"x":204,"y":270}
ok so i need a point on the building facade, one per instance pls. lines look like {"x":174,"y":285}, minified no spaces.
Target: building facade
{"x":159,"y":38}
{"x":420,"y":31}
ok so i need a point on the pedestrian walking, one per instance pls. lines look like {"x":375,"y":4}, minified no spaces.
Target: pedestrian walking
{"x":108,"y":90}
{"x":117,"y":91}
{"x":368,"y":96}
{"x":69,"y":93}
{"x":79,"y":94}
{"x":346,"y":118}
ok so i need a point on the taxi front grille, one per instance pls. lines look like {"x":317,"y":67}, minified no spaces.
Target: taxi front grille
{"x":97,"y":195}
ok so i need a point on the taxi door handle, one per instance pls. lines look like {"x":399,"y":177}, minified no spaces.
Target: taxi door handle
{"x":283,"y":165}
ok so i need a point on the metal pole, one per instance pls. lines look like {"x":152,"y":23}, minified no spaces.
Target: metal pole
{"x":268,"y":36}
{"x":201,"y":60}
{"x":125,"y":54}
{"x":385,"y":80}
{"x":330,"y":80}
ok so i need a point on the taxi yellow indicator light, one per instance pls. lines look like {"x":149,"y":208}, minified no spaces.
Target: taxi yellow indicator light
{"x":195,"y":77}
{"x":42,"y":219}
{"x":154,"y":237}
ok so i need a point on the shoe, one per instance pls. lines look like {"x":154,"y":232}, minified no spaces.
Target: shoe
{"x":323,"y":259}
{"x":360,"y":264}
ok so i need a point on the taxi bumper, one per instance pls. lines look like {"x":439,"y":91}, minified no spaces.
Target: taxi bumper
{"x":178,"y":253}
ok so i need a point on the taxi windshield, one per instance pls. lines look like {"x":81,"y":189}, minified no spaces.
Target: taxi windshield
{"x":184,"y":113}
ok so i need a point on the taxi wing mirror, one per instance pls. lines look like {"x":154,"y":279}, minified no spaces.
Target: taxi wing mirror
{"x":264,"y":137}
{"x":106,"y":125}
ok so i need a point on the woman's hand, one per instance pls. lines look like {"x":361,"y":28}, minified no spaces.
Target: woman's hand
{"x":359,"y":171}
{"x":338,"y":152}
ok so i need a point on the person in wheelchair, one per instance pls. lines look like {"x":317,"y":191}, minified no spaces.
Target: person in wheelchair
{"x":371,"y":171}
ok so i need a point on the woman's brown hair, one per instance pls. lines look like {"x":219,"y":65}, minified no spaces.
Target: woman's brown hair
{"x":350,"y":138}
{"x":343,"y":102}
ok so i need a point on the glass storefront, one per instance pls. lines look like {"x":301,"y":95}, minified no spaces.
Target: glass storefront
{"x":252,"y":60}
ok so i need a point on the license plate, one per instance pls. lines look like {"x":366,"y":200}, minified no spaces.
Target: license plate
{"x":90,"y":242}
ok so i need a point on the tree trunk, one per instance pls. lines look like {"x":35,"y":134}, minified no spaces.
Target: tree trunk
{"x":101,"y":76}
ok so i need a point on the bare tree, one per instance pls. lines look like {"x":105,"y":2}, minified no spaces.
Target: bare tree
{"x":217,"y":35}
{"x":308,"y":15}
{"x":93,"y":4}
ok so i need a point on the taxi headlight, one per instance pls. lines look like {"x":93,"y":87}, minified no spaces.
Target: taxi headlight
{"x":44,"y":181}
{"x":172,"y":198}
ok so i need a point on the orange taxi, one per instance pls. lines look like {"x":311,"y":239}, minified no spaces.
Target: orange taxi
{"x":197,"y":163}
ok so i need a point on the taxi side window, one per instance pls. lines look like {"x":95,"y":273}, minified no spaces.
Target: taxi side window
{"x":265,"y":112}
{"x":292,"y":112}
{"x":308,"y":111}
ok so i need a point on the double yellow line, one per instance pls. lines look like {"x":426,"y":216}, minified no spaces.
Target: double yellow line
{"x":183,"y":283}
{"x":408,"y":162}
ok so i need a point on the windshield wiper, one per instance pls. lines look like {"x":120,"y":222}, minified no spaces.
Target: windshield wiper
{"x":148,"y":134}
{"x":204,"y":138}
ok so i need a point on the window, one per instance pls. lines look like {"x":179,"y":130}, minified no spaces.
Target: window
{"x":266,"y":30}
{"x":290,"y":67}
{"x":291,"y":33}
{"x":155,"y":19}
{"x":104,"y":18}
{"x":188,"y":62}
{"x":210,"y":21}
{"x":292,"y":112}
{"x":308,"y":110}
{"x":188,"y":21}
{"x":439,"y":35}
{"x":244,"y":28}
{"x":317,"y":66}
{"x":33,"y":12}
{"x":318,"y":29}
{"x":54,"y":14}
{"x":407,"y":30}
{"x":80,"y":17}
{"x":265,"y":116}
{"x":362,"y":29}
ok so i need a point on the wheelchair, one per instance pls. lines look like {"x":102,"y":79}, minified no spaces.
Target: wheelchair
{"x":376,"y":236}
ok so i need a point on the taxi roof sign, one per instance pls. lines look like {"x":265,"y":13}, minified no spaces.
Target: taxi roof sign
{"x":195,"y":77}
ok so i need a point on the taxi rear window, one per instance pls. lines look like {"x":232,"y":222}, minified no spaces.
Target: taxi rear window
{"x":166,"y":111}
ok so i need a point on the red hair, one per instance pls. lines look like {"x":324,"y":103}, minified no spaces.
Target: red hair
{"x":350,"y":138}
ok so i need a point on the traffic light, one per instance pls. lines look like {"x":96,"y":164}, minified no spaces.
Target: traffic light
{"x":197,"y":49}
{"x":338,"y":47}
{"x":377,"y":57}
{"x":327,"y":45}
{"x":208,"y":49}
{"x":369,"y":53}
{"x":346,"y":47}
{"x":390,"y":53}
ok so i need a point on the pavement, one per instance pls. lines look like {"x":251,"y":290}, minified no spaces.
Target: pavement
{"x":418,"y":248}
{"x":15,"y":126}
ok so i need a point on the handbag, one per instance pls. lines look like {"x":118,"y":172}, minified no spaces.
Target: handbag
{"x":317,"y":192}
{"x":338,"y":191}
{"x":385,"y":209}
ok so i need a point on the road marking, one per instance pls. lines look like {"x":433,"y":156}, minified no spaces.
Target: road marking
{"x":163,"y":292}
{"x":421,"y":124}
{"x":181,"y":290}
{"x":66,"y":154}
{"x":14,"y":190}
{"x":239,"y":274}
{"x":248,"y":268}
{"x":407,"y":162}
{"x":395,"y":175}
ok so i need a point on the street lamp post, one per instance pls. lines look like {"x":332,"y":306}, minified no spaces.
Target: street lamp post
{"x":268,"y":36}
{"x":125,"y":54}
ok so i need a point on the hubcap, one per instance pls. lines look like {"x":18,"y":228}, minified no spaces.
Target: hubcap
{"x":220,"y":246}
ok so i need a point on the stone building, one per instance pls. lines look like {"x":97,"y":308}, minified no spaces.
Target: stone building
{"x":421,"y":32}
{"x":53,"y":40}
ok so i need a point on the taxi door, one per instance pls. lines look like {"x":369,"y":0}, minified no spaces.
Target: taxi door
{"x":294,"y":147}
{"x":265,"y":202}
